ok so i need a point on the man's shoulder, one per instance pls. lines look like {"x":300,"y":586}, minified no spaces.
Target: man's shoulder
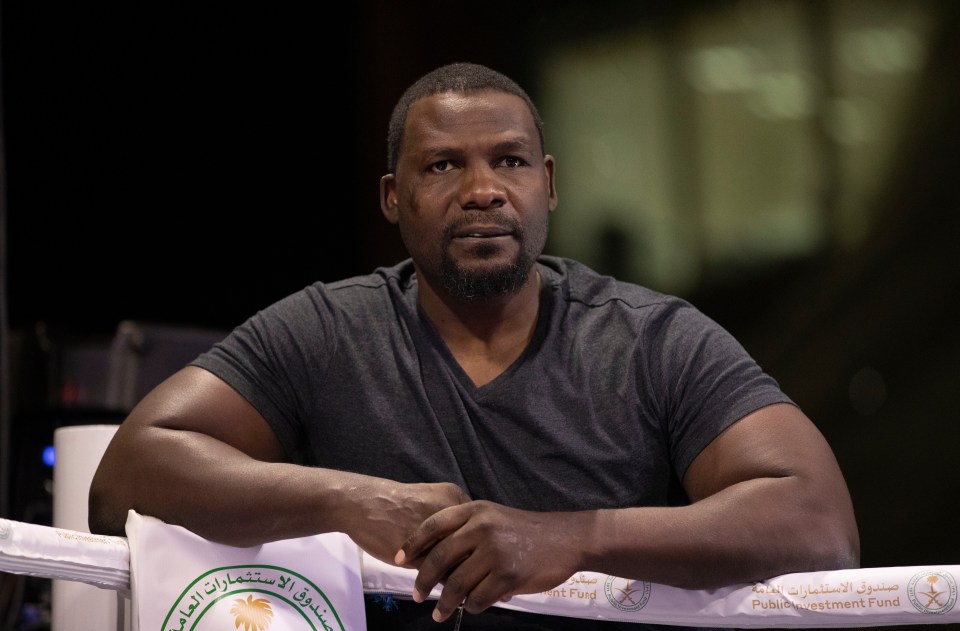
{"x":575,"y":282}
{"x":363,"y":295}
{"x":380,"y":287}
{"x":400,"y":275}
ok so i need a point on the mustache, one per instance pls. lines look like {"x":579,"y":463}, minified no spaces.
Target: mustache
{"x":485,"y":217}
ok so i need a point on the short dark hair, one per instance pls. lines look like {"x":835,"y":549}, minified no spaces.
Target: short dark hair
{"x":456,"y":77}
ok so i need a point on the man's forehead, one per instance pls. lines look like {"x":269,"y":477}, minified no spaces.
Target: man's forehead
{"x":459,"y":112}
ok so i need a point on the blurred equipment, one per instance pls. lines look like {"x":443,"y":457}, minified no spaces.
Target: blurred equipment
{"x":76,"y":605}
{"x":63,"y":382}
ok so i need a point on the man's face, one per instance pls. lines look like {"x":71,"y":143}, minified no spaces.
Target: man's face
{"x":472,"y":192}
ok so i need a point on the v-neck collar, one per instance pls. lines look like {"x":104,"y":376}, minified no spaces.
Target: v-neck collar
{"x":436,"y":341}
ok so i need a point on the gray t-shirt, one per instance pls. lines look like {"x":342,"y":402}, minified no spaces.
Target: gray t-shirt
{"x":618,"y":391}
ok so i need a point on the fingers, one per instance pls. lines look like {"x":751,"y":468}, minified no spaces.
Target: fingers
{"x":450,"y":557}
{"x":468,"y":585}
{"x":471,"y":551}
{"x":438,"y":555}
{"x":425,"y":537}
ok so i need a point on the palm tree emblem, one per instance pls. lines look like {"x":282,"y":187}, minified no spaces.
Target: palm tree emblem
{"x":933,"y":596}
{"x":253,"y":614}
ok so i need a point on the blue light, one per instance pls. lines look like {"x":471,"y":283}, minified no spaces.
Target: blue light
{"x":49,"y":455}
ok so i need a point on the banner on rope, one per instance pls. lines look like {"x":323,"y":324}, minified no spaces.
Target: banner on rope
{"x":182,"y":582}
{"x":865,"y":597}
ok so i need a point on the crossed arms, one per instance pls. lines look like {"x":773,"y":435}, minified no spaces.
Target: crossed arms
{"x":767,"y":498}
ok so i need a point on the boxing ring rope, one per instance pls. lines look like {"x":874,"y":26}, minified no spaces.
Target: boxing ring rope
{"x":862,"y":597}
{"x":79,"y":563}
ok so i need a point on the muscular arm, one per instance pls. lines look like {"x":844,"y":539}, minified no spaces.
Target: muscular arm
{"x":767,"y":498}
{"x":195,"y":453}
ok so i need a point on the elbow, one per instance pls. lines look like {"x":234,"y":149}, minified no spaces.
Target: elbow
{"x":845,"y":555}
{"x":104,"y":516}
{"x":825,"y":524}
{"x":846,"y":538}
{"x":834,"y":545}
{"x":822,"y":556}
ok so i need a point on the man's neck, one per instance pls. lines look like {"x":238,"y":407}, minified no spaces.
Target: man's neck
{"x":484,"y":335}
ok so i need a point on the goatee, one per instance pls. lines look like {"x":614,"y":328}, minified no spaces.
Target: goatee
{"x":471,"y":284}
{"x":485,"y":282}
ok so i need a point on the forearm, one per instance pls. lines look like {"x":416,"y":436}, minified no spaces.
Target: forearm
{"x":750,"y":531}
{"x":203,"y":484}
{"x":745,"y":532}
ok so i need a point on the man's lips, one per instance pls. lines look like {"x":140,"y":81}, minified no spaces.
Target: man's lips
{"x":481,"y":232}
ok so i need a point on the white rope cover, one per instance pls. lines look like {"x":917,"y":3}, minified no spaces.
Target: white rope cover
{"x":885,"y":596}
{"x":58,"y":553}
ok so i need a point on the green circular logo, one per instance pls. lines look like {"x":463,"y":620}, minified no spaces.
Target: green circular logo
{"x":252,"y":598}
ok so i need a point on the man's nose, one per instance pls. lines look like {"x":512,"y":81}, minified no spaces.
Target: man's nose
{"x":481,"y":188}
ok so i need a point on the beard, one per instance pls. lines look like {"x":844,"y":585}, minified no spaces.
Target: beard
{"x":473,"y":284}
{"x":487,"y":282}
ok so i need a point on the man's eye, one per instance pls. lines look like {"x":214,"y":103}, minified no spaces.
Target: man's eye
{"x":512,"y":162}
{"x":440,"y":167}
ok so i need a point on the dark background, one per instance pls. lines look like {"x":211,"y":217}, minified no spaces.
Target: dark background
{"x":190,"y":163}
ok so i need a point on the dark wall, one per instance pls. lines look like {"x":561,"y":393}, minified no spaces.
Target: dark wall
{"x":193,"y":164}
{"x":179,"y":165}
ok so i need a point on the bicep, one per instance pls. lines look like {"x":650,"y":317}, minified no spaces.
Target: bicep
{"x":776,"y":441}
{"x":195,"y":400}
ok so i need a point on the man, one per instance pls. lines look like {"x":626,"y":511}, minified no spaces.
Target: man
{"x":495,"y":418}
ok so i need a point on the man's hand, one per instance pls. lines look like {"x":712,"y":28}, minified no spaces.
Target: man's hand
{"x":387,"y":511}
{"x":484,"y":553}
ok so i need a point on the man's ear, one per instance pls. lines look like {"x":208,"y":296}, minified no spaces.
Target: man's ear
{"x":549,"y":164}
{"x":388,"y":197}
